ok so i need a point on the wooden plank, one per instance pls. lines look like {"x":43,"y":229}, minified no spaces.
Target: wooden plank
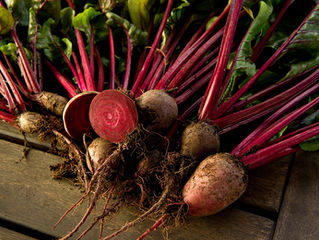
{"x":266,"y":184}
{"x":299,"y":214}
{"x":31,"y":198}
{"x":12,"y":134}
{"x":8,"y":234}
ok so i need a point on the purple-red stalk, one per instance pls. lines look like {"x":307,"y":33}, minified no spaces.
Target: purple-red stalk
{"x":262,"y":44}
{"x":135,"y":89}
{"x":215,"y":113}
{"x":100,"y":82}
{"x":112,"y":57}
{"x":92,"y":50}
{"x":210,"y":100}
{"x":65,"y":82}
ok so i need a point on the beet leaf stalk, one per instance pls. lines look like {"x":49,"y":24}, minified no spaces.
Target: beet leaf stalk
{"x":217,"y":112}
{"x":210,"y":101}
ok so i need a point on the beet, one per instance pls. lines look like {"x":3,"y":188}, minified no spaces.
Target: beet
{"x":76,"y":114}
{"x":30,"y":122}
{"x":159,"y":108}
{"x":51,"y":101}
{"x":113,"y":115}
{"x":217,"y":182}
{"x":199,"y":140}
{"x":97,"y":152}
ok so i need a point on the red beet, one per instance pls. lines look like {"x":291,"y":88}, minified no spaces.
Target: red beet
{"x":217,"y":182}
{"x":113,"y":115}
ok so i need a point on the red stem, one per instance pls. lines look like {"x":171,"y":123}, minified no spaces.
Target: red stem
{"x":100,"y":83}
{"x":79,"y":72}
{"x":281,"y":148}
{"x":112,"y":57}
{"x":135,"y":89}
{"x":29,"y":74}
{"x":6,"y":93}
{"x":224,"y":107}
{"x":21,"y":86}
{"x":298,"y":96}
{"x":8,"y":117}
{"x":280,"y":124}
{"x":262,"y":44}
{"x":85,"y":61}
{"x":92,"y":50}
{"x":158,"y":223}
{"x":198,"y":75}
{"x":187,"y":67}
{"x":13,"y":87}
{"x":66,"y":83}
{"x":79,"y":81}
{"x":183,"y":58}
{"x":211,"y":99}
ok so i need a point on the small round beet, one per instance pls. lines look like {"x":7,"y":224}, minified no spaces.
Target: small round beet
{"x":31,"y":122}
{"x":113,"y":115}
{"x":97,"y":152}
{"x":217,"y":182}
{"x":199,"y":140}
{"x":76,"y":114}
{"x":160,"y":108}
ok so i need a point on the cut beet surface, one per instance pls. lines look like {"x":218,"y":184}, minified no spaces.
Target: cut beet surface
{"x":113,"y":115}
{"x":76,"y":114}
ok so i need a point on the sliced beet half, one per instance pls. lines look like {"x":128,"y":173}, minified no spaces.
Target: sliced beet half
{"x":76,"y":114}
{"x":113,"y":115}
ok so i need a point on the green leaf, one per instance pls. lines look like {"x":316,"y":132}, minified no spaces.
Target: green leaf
{"x":304,"y":48}
{"x":68,"y":49}
{"x":138,"y":37}
{"x":66,"y":20}
{"x":9,"y":49}
{"x":139,"y":11}
{"x":32,"y":25}
{"x":310,"y":145}
{"x":19,"y":9}
{"x":6,"y":21}
{"x":82,"y":20}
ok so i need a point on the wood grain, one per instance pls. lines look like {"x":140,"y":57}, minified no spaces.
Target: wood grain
{"x":7,"y":234}
{"x":266,"y":185}
{"x":31,"y":198}
{"x":299,"y":214}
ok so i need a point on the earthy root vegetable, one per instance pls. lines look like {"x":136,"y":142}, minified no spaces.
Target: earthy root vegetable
{"x":199,"y":140}
{"x":51,"y":101}
{"x":30,"y":122}
{"x":113,"y":115}
{"x":160,"y":109}
{"x":76,"y":114}
{"x":97,"y":152}
{"x":217,"y":182}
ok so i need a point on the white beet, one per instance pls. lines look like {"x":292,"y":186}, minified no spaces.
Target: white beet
{"x":98,"y":151}
{"x":51,"y":101}
{"x":199,"y":140}
{"x":161,"y":109}
{"x":31,"y":122}
{"x":217,"y":182}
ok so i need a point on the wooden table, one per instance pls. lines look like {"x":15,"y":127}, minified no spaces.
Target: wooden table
{"x":281,"y":201}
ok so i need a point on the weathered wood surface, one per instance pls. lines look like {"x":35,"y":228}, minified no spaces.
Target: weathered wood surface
{"x":30,"y":197}
{"x":266,"y":185}
{"x":7,"y":234}
{"x":299,"y":214}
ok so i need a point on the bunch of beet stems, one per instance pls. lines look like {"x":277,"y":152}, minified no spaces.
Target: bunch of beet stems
{"x":212,"y":106}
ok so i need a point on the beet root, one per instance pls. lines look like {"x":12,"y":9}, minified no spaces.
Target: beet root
{"x":113,"y":115}
{"x":98,"y":151}
{"x":160,"y":110}
{"x":31,"y":122}
{"x":199,"y":140}
{"x":51,"y":101}
{"x":217,"y":182}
